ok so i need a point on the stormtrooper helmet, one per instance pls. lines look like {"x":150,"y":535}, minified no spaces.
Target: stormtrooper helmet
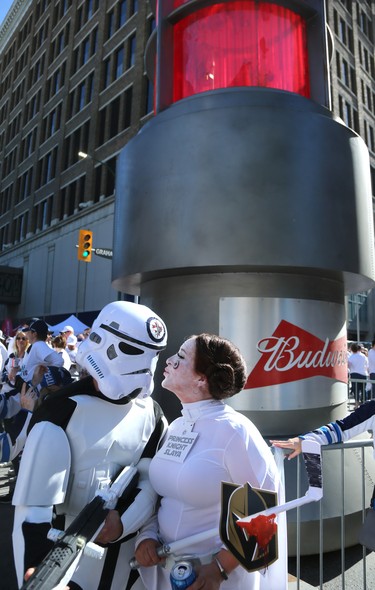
{"x":122,"y":350}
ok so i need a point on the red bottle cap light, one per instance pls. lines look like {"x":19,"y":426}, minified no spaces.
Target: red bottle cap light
{"x":240,"y":43}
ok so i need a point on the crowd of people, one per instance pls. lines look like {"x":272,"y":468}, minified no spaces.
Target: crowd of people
{"x":84,"y":412}
{"x":33,"y":361}
{"x":80,"y":437}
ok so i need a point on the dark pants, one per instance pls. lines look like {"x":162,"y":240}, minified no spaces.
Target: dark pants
{"x":358,"y":389}
{"x":372,"y":378}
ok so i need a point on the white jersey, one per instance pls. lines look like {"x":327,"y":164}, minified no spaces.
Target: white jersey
{"x":38,"y":354}
{"x":227,"y":447}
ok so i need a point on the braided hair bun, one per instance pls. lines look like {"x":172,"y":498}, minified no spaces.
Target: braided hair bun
{"x":222,"y":363}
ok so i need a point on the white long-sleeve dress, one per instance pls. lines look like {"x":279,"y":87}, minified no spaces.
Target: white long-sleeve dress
{"x":227,"y":447}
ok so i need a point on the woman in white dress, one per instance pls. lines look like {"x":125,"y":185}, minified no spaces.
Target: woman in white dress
{"x":209,"y":444}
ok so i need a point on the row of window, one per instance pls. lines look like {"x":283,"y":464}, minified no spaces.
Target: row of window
{"x":9,"y":162}
{"x":113,"y":119}
{"x":364,"y":23}
{"x":28,"y":145}
{"x":368,"y":97}
{"x":85,"y":50}
{"x":73,"y":143}
{"x":85,"y":12}
{"x":60,"y":9}
{"x":50,"y":124}
{"x":19,"y":229}
{"x":119,"y":14}
{"x":21,"y":62}
{"x":80,"y":96}
{"x":67,"y":204}
{"x":116,"y":18}
{"x":59,"y":43}
{"x":36,"y":71}
{"x":349,"y":115}
{"x":116,"y":116}
{"x":346,"y":73}
{"x":369,"y":135}
{"x":343,"y":31}
{"x":6,"y":199}
{"x":40,"y":36}
{"x":40,"y":219}
{"x":347,"y":4}
{"x":366,"y":59}
{"x":55,"y":82}
{"x":119,"y":61}
{"x":114,"y":66}
{"x":13,"y":128}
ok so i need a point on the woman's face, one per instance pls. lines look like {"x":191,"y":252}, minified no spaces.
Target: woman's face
{"x":21,"y":342}
{"x":180,"y":375}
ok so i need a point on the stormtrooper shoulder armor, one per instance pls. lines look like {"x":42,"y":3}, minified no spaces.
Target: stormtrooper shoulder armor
{"x":45,"y":467}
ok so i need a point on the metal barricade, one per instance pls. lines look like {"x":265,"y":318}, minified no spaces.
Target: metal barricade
{"x":360,"y":390}
{"x":340,"y":449}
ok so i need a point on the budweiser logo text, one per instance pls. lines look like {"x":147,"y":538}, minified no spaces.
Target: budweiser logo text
{"x":291,"y":354}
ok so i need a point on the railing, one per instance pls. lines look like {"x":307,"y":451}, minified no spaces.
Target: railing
{"x":338,"y":448}
{"x":360,"y":390}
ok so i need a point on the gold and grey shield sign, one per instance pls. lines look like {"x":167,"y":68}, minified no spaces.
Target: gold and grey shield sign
{"x":238,"y":501}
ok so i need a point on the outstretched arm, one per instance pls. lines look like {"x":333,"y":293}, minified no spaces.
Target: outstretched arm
{"x":292,"y":443}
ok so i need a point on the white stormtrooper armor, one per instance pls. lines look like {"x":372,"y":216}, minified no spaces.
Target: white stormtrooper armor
{"x":125,"y":341}
{"x":77,"y":444}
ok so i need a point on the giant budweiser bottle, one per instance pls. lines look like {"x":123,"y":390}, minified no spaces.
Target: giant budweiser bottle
{"x":296,"y":351}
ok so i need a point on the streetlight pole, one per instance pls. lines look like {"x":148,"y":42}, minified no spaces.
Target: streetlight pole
{"x":83,"y":155}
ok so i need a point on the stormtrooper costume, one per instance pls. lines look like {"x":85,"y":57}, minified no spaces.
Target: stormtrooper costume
{"x":80,"y":438}
{"x":13,"y":439}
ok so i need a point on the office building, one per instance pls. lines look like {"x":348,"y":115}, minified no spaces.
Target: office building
{"x":73,"y":80}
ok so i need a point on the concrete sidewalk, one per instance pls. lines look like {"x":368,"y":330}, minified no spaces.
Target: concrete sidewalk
{"x":293,"y":584}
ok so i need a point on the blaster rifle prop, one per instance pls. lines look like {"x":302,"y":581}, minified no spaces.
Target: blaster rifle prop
{"x":312,"y":459}
{"x":60,"y":563}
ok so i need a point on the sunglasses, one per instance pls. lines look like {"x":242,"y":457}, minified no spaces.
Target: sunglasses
{"x":21,"y":338}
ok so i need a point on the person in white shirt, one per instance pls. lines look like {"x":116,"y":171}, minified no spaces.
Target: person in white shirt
{"x":39,"y":353}
{"x":358,"y":368}
{"x":59,"y":344}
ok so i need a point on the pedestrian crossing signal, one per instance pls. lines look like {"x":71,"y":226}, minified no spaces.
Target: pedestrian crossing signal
{"x":85,"y":245}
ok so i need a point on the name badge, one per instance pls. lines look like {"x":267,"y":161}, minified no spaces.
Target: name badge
{"x":178,"y":445}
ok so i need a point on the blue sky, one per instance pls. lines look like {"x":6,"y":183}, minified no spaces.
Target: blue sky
{"x":4,"y":7}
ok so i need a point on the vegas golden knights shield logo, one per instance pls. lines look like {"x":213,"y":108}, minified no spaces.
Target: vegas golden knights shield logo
{"x":238,"y":502}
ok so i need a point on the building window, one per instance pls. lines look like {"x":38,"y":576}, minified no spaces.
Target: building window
{"x":110,"y":24}
{"x":134,"y":7}
{"x":131,"y":51}
{"x":43,"y":214}
{"x":81,"y":95}
{"x":122,"y":13}
{"x":106,"y":73}
{"x":21,"y":227}
{"x":119,"y":62}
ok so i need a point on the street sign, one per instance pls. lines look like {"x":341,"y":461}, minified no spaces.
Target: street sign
{"x":103,"y":252}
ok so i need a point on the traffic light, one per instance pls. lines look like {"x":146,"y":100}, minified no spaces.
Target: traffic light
{"x":85,"y":245}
